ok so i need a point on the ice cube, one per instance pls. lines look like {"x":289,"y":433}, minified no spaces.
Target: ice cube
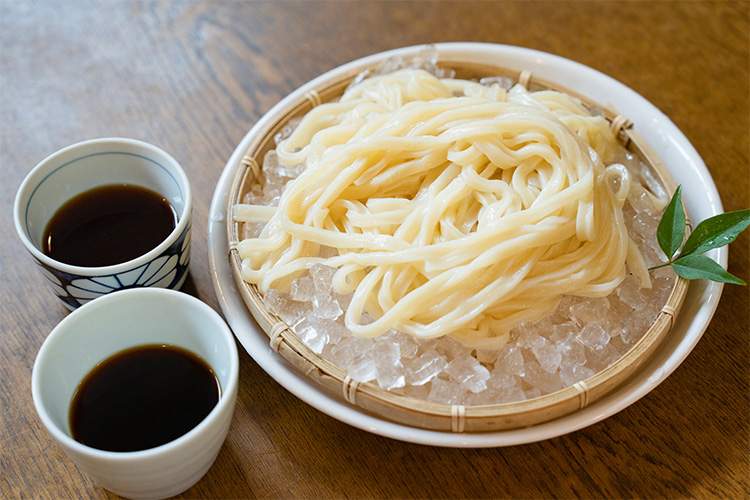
{"x":570,"y":374}
{"x":343,"y":299}
{"x":253,"y":229}
{"x":406,"y":343}
{"x":254,"y":196}
{"x":350,"y":348}
{"x":512,"y":395}
{"x":451,"y":348}
{"x":334,"y":329}
{"x":362,"y":369}
{"x":417,"y":391}
{"x":631,"y":293}
{"x":536,"y":376}
{"x":390,"y":370}
{"x":633,"y":328}
{"x":276,"y":301}
{"x":501,"y":380}
{"x":593,"y":336}
{"x":528,"y":337}
{"x":325,"y":306}
{"x":549,"y":357}
{"x":424,"y":368}
{"x":446,"y":392}
{"x":487,"y":355}
{"x":322,"y":276}
{"x":640,"y":200}
{"x":589,"y":311}
{"x":504,"y":82}
{"x":572,"y":352}
{"x":302,"y":289}
{"x":599,"y":359}
{"x":270,"y":162}
{"x":311,"y":336}
{"x":469,"y":372}
{"x":563,"y":331}
{"x":285,"y":133}
{"x":327,"y":252}
{"x":284,"y":307}
{"x":511,"y":361}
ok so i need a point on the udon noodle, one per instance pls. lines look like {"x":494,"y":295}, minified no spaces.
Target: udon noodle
{"x":454,"y":208}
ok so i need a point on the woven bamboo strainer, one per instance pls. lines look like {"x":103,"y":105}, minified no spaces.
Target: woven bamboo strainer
{"x":420,"y":413}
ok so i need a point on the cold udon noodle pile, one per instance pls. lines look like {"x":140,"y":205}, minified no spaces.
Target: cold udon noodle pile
{"x":454,"y":208}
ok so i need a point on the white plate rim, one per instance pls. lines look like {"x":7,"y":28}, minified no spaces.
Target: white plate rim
{"x":683,"y":161}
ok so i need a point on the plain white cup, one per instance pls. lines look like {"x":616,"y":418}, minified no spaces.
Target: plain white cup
{"x":107,"y":326}
{"x":94,"y":163}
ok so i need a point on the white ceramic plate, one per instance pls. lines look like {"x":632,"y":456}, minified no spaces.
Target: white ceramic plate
{"x":686,"y":166}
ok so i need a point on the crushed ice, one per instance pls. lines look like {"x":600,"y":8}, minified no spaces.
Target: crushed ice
{"x":581,"y":338}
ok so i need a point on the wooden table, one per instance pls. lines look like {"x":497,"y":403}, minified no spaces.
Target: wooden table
{"x":192,"y":77}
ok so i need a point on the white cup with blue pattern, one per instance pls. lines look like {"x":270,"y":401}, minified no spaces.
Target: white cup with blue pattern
{"x":89,"y":165}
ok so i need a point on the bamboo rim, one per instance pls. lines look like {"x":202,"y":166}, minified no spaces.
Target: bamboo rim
{"x":417,"y":412}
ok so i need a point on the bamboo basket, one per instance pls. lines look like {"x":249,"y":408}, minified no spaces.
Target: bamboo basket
{"x":407,"y":410}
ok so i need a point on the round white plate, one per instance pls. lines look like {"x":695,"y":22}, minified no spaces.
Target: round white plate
{"x":686,"y":166}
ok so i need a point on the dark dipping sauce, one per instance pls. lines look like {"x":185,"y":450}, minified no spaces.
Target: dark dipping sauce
{"x":142,"y":397}
{"x":108,"y":225}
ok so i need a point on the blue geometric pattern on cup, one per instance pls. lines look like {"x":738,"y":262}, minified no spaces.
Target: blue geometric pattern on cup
{"x":168,"y":270}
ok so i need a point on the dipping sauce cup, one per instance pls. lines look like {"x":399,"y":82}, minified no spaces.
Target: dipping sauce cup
{"x":91,"y":164}
{"x":120,"y":321}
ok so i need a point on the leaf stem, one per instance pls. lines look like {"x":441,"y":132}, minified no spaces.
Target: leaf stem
{"x":660,"y":265}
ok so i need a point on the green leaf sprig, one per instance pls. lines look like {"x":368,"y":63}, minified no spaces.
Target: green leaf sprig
{"x":714,"y":232}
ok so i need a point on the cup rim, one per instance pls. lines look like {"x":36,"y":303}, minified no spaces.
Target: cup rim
{"x":183,"y":220}
{"x":228,"y":393}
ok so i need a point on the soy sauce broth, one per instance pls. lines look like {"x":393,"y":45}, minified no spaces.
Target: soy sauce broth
{"x":142,"y":397}
{"x":108,"y":225}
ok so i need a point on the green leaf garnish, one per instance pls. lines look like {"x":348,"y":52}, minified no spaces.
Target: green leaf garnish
{"x":714,"y":232}
{"x":694,"y":267}
{"x":671,"y":228}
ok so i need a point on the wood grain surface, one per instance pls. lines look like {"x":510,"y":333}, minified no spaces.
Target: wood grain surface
{"x":193,"y":76}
